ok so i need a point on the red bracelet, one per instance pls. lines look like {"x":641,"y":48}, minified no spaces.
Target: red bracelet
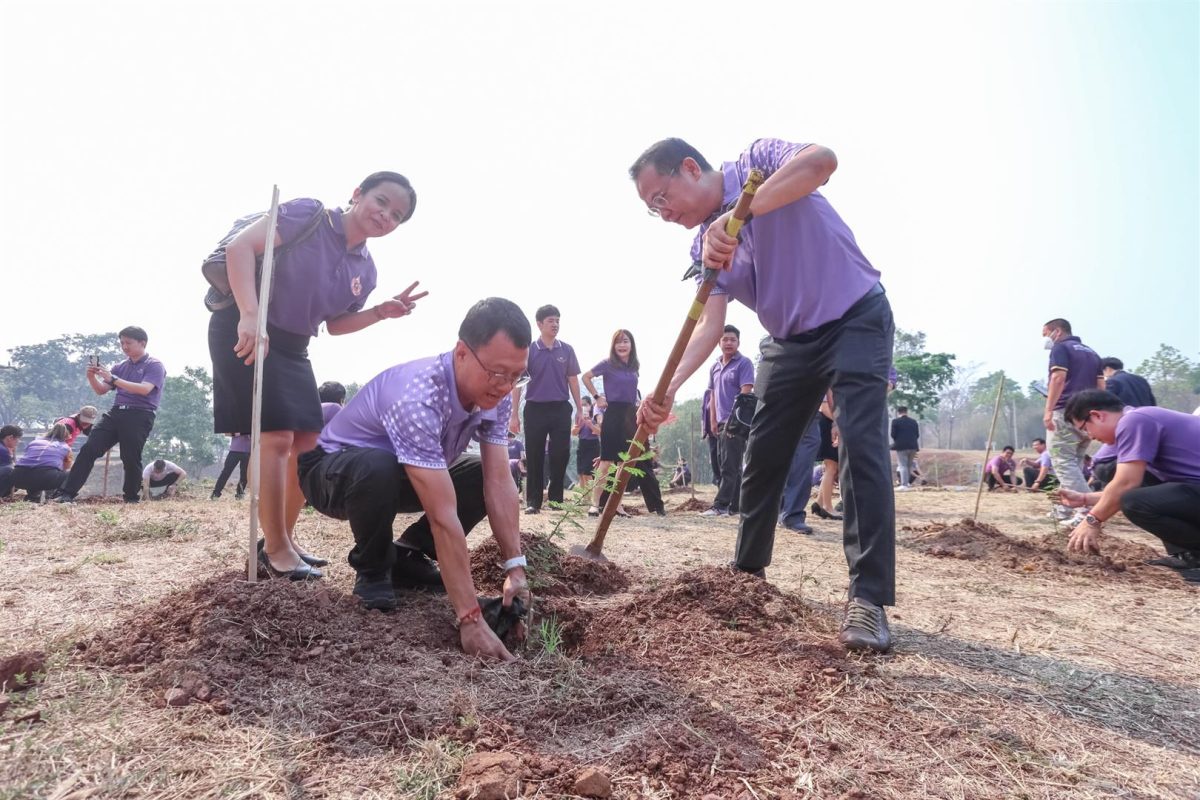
{"x":474,"y":615}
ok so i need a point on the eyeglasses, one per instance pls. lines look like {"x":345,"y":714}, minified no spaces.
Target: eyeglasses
{"x":499,"y":379}
{"x":1083,"y":425}
{"x":659,"y":201}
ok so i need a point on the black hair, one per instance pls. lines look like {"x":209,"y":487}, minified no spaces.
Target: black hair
{"x":1060,"y":324}
{"x":901,"y":409}
{"x":332,"y":392}
{"x":1008,"y":447}
{"x":1082,"y":404}
{"x":376,"y":178}
{"x":492,"y":315}
{"x":666,"y":156}
{"x":546,"y":311}
{"x":1112,"y":363}
{"x":10,"y":430}
{"x":135,"y":333}
{"x":733,"y":330}
{"x":1039,"y":439}
{"x":160,"y":465}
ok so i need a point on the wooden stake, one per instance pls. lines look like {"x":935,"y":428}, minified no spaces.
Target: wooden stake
{"x":988,"y":453}
{"x":264,"y":298}
{"x":107,"y":456}
{"x":692,"y":452}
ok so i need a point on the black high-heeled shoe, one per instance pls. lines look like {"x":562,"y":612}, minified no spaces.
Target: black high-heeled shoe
{"x":304,"y":572}
{"x":822,"y":513}
{"x":312,"y":561}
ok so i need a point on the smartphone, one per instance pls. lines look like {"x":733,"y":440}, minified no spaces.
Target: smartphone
{"x":93,"y":361}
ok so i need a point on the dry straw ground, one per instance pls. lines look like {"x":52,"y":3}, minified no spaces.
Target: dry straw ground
{"x":1016,"y":673}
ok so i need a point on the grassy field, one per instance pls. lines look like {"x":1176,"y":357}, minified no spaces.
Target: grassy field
{"x":1016,"y":673}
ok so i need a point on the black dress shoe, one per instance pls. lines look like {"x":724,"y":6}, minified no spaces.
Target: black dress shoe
{"x":865,"y":627}
{"x":532,"y":510}
{"x":822,"y":513}
{"x":1184,"y":560}
{"x":312,"y":561}
{"x":374,"y":590}
{"x":415,"y":570}
{"x":301,"y":573}
{"x":1190,"y":575}
{"x":761,"y":572}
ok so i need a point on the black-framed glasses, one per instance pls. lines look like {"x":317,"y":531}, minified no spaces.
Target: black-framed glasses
{"x":499,"y":379}
{"x":659,"y":201}
{"x":1083,"y":425}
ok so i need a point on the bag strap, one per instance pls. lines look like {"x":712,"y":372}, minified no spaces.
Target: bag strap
{"x":308,"y":230}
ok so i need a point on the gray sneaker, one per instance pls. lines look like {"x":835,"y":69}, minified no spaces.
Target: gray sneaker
{"x":865,"y":627}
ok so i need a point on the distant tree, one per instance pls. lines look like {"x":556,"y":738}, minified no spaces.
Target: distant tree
{"x":682,"y":437}
{"x":183,"y":427}
{"x":953,"y":405}
{"x":920,"y":376}
{"x":48,"y":380}
{"x":1174,"y":377}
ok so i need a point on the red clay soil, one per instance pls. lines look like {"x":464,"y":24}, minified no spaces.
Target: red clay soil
{"x":692,"y":504}
{"x":551,"y":571}
{"x":978,"y":541}
{"x":20,"y":670}
{"x":691,"y":686}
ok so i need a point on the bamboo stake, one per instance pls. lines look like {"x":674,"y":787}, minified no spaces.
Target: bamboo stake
{"x":264,"y":298}
{"x":107,"y":456}
{"x":988,"y":452}
{"x":692,"y":452}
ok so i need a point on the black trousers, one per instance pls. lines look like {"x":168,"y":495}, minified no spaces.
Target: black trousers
{"x":553,"y":421}
{"x":35,"y":480}
{"x":6,"y":479}
{"x":714,"y":458}
{"x":1031,"y":474}
{"x":368,"y":487}
{"x":730,"y":450}
{"x":1170,"y":511}
{"x":129,"y":427}
{"x":232,"y":460}
{"x":647,"y":483}
{"x":992,"y":483}
{"x":851,"y":354}
{"x":1102,"y":474}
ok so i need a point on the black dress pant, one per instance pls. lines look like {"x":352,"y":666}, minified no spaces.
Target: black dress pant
{"x":546,"y":421}
{"x":729,"y":490}
{"x":232,"y":460}
{"x":851,"y":354}
{"x":1170,"y":511}
{"x":714,"y":458}
{"x":369,"y":488}
{"x":129,"y":427}
{"x":35,"y":480}
{"x":647,"y":483}
{"x":992,"y":483}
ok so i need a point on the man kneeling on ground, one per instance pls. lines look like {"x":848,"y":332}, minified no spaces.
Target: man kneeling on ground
{"x":1157,"y":481}
{"x":398,"y":446}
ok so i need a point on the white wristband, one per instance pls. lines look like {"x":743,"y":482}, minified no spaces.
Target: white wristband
{"x":513,"y":563}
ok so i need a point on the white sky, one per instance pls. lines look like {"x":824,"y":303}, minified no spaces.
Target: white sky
{"x":1001,"y":163}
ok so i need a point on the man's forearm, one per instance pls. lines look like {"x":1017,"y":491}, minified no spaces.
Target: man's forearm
{"x":500,"y":500}
{"x":705,"y":337}
{"x":1054,"y":390}
{"x":454,"y":560}
{"x":806,"y":172}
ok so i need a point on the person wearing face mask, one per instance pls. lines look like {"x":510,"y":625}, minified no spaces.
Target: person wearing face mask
{"x":324,"y":278}
{"x":1074,"y":368}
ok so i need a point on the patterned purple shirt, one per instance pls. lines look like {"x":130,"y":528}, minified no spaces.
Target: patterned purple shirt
{"x":1168,"y":441}
{"x":799,"y":266}
{"x":413,"y":410}
{"x":727,"y":381}
{"x":148,"y":369}
{"x":319,"y":279}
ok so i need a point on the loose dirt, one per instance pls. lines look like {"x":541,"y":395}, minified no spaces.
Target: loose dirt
{"x":550,"y":570}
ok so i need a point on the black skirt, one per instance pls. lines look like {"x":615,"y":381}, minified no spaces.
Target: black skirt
{"x":289,"y":401}
{"x":585,"y":455}
{"x":617,"y":429}
{"x":826,"y":452}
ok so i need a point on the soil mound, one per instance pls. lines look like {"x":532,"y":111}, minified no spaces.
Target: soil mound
{"x":692,"y":504}
{"x":19,"y":671}
{"x":977,"y":541}
{"x":551,"y":571}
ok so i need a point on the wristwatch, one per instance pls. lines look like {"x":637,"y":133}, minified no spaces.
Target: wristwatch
{"x":513,"y":563}
{"x":1091,"y":520}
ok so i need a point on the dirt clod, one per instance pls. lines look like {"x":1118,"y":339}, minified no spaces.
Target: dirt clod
{"x":177,"y":697}
{"x":489,"y":776}
{"x":19,"y":671}
{"x":593,"y":783}
{"x":551,"y":571}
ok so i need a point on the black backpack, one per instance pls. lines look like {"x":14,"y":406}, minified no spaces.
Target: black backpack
{"x":216,"y":271}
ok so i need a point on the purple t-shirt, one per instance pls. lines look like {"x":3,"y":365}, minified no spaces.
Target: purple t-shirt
{"x":1002,"y":464}
{"x":585,"y":432}
{"x":148,"y":369}
{"x":1107,"y":452}
{"x":329,"y":411}
{"x":413,"y":410}
{"x":799,"y":266}
{"x":5,"y":456}
{"x":1081,"y":364}
{"x":620,"y":382}
{"x":1168,"y":441}
{"x":516,"y":448}
{"x":240,"y":443}
{"x":1044,"y":460}
{"x":318,"y":279}
{"x":44,"y":453}
{"x":727,"y":381}
{"x":549,"y":368}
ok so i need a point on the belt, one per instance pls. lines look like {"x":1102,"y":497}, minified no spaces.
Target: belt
{"x":132,"y":408}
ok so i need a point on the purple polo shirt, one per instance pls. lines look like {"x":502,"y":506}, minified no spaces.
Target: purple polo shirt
{"x":549,"y":368}
{"x":413,"y":410}
{"x":240,"y":443}
{"x":319,"y":279}
{"x":1044,"y":460}
{"x":1002,"y":464}
{"x":5,"y":456}
{"x":329,"y":411}
{"x":1107,"y":452}
{"x":43,"y":453}
{"x":516,"y":448}
{"x":147,"y":370}
{"x":1168,"y":441}
{"x":727,"y":381}
{"x":1081,"y":364}
{"x":585,"y":432}
{"x":620,"y":382}
{"x":798,"y":267}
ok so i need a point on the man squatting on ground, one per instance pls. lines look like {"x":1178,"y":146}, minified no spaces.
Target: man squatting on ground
{"x":398,"y":447}
{"x":820,"y":300}
{"x":162,"y":474}
{"x":730,"y":375}
{"x":138,"y":382}
{"x":553,"y":376}
{"x":1157,"y":480}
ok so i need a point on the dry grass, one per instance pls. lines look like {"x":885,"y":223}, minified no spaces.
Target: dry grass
{"x":1002,"y":684}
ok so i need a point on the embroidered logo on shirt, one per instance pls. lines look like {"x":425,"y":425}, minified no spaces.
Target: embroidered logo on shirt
{"x":356,"y":286}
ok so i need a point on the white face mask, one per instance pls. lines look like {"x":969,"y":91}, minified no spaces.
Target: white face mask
{"x":1049,"y":342}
